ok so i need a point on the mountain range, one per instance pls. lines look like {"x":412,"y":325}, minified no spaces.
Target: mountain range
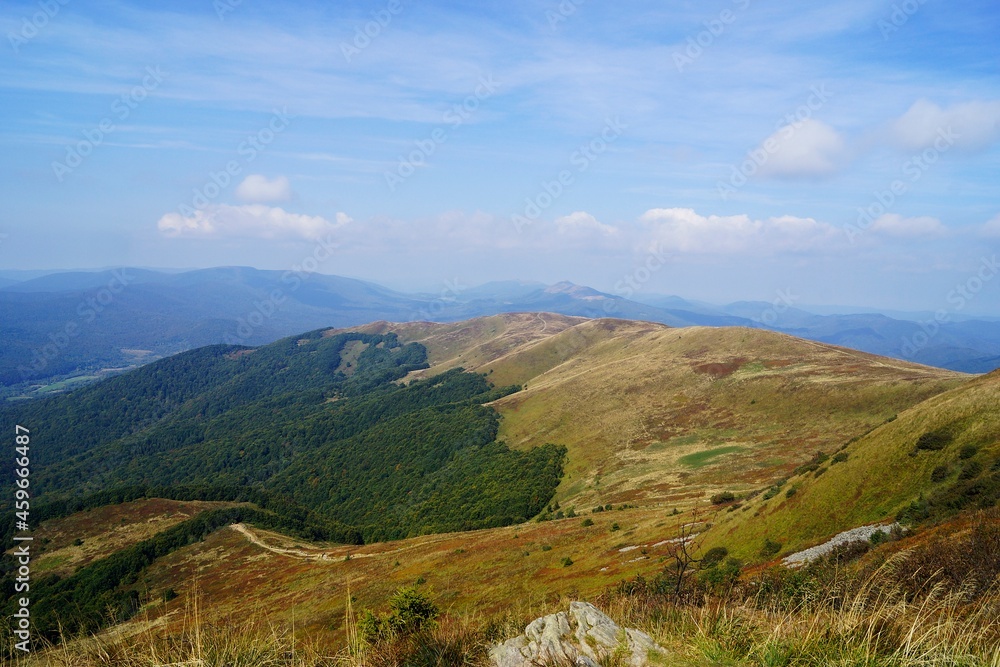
{"x":93,"y":323}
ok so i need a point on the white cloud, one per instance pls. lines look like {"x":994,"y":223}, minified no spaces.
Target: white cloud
{"x":807,"y":149}
{"x":259,"y":190}
{"x":893,"y":224}
{"x":991,"y":228}
{"x":249,"y":221}
{"x":583,"y":222}
{"x":684,"y":230}
{"x":974,"y":125}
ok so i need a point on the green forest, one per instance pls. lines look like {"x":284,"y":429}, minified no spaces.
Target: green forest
{"x":320,"y":434}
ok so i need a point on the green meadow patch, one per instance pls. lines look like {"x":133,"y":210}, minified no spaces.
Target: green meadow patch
{"x":700,"y":459}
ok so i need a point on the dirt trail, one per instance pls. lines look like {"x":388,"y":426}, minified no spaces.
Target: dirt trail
{"x":318,"y":555}
{"x":294,"y":553}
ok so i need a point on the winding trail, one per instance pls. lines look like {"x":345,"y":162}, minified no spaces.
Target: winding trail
{"x":322,"y":556}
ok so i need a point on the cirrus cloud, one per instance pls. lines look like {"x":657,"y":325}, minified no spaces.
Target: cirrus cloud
{"x":249,"y":221}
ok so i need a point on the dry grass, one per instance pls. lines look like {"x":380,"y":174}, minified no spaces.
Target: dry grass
{"x":631,"y":399}
{"x":865,"y":621}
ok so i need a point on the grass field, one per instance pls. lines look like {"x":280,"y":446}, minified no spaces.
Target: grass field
{"x":656,"y":420}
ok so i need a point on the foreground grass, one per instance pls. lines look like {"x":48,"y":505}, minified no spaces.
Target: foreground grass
{"x":931,"y":599}
{"x":872,"y":625}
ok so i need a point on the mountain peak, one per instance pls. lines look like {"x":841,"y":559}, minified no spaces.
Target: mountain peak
{"x":572,"y":289}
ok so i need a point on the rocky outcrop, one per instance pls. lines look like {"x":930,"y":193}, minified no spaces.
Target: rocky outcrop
{"x":583,"y":637}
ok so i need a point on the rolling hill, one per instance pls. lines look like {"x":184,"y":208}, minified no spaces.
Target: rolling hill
{"x":83,"y":325}
{"x":943,"y":454}
{"x":371,"y":432}
{"x":664,"y":415}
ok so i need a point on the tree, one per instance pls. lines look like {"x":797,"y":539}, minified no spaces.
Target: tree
{"x":682,"y":552}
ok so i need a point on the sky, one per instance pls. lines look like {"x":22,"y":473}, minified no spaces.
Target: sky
{"x":845,"y":152}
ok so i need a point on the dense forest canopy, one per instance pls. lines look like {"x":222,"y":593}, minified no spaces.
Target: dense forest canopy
{"x":322,"y":433}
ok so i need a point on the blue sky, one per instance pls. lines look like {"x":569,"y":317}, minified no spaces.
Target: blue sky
{"x":848,"y":152}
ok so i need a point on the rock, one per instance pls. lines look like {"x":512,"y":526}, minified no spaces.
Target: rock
{"x":584,"y":637}
{"x":862,"y":534}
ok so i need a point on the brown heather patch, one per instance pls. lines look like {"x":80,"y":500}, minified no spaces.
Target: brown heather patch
{"x":719,"y":370}
{"x":104,"y":530}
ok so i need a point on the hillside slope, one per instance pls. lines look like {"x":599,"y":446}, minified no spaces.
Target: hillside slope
{"x":655,"y":414}
{"x":942,"y":455}
{"x":377,"y":429}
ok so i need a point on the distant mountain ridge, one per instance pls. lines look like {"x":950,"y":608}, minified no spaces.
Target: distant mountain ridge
{"x":79,"y":322}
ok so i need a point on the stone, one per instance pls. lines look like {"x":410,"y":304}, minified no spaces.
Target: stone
{"x":584,"y":637}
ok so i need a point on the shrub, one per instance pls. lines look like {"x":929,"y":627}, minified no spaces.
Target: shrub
{"x":713,"y":557}
{"x":770,"y":548}
{"x":410,"y":611}
{"x":567,"y":561}
{"x":546,"y":547}
{"x":791,"y":492}
{"x":615,"y":527}
{"x":723,"y":498}
{"x":821,"y":471}
{"x":840,"y":457}
{"x":935,"y":440}
{"x":967,"y":452}
{"x":940,"y":473}
{"x":587,"y":522}
{"x":968,"y":562}
{"x":815,"y":462}
{"x":848,"y":551}
{"x":970,"y":470}
{"x":721,"y":577}
{"x":915,"y":512}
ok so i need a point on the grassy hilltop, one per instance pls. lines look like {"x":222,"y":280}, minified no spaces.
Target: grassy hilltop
{"x":738,"y":438}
